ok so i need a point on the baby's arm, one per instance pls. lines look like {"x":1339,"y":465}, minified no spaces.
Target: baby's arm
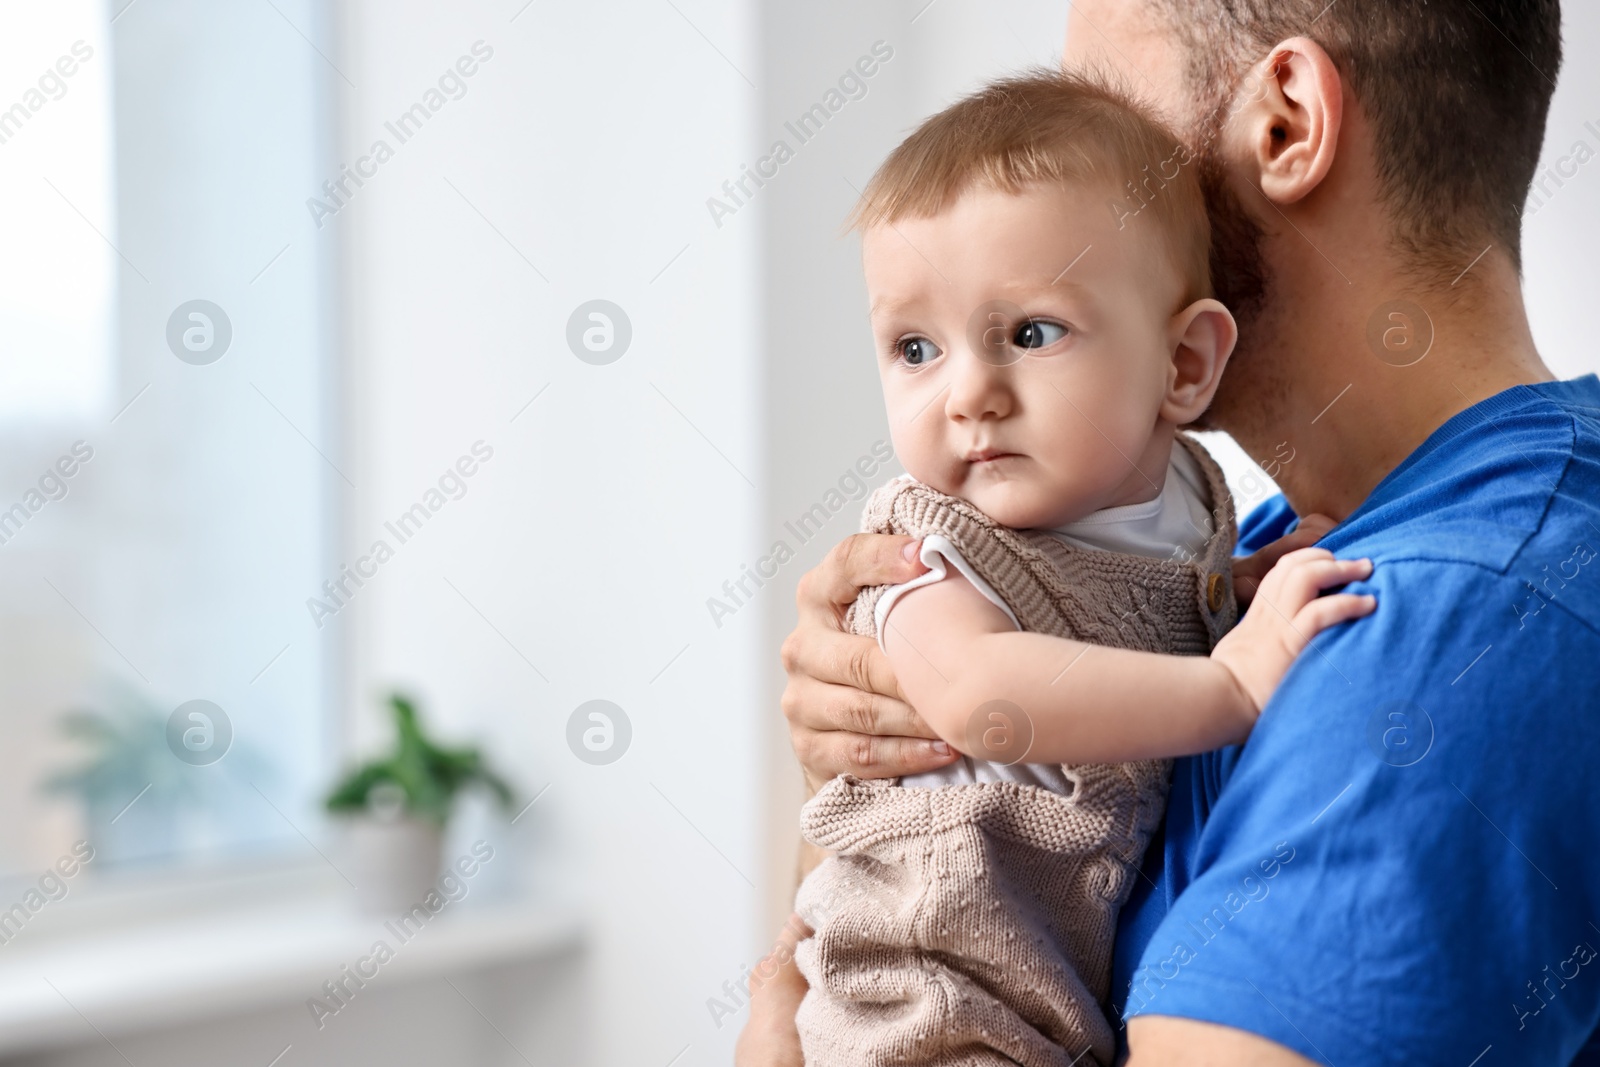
{"x":954,"y":651}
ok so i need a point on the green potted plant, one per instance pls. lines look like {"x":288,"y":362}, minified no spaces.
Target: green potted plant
{"x":397,"y":807}
{"x":126,"y":757}
{"x":138,"y":802}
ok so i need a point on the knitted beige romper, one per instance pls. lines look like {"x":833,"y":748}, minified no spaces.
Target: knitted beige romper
{"x":972,"y":924}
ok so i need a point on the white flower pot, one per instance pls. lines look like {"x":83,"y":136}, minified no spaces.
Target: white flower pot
{"x":393,"y":862}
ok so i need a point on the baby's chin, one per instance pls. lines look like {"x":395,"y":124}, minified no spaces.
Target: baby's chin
{"x":1014,"y":504}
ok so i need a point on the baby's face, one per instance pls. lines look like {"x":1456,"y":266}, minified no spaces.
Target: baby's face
{"x":1023,"y":344}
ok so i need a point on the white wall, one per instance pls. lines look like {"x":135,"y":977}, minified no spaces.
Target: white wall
{"x":616,"y":502}
{"x":1560,"y":271}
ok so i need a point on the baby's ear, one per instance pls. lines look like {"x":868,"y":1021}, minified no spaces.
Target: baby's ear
{"x":1201,"y":337}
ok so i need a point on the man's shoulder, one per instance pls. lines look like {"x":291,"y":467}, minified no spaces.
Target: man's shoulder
{"x":1486,"y":551}
{"x":1508,"y":490}
{"x":1416,"y":769}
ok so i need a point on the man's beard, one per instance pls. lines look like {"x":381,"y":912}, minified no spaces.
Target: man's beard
{"x":1238,"y":274}
{"x":1250,"y":393}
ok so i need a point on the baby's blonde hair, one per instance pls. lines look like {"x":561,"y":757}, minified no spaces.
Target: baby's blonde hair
{"x":1056,"y":127}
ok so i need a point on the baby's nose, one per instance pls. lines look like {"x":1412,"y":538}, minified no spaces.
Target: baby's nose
{"x":980,"y":388}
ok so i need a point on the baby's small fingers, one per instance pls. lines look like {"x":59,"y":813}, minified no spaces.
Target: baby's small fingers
{"x":1305,"y":577}
{"x":1327,"y":611}
{"x":1301,"y":556}
{"x":1298,"y":578}
{"x":1330,"y":572}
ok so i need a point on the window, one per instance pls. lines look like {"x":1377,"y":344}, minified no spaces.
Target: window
{"x":168,"y":446}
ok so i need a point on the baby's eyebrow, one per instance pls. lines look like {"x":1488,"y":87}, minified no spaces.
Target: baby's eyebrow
{"x":1054,"y":283}
{"x":885,"y":304}
{"x":1020,"y":292}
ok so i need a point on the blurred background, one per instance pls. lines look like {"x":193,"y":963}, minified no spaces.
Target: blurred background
{"x":493,"y":356}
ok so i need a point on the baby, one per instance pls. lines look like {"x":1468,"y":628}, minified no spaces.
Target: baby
{"x":1037,"y":263}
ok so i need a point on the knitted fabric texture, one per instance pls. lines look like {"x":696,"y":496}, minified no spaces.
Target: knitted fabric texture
{"x":973,"y":924}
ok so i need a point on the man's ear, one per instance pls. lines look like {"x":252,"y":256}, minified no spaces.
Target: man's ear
{"x":1201,"y":337}
{"x":1286,"y":128}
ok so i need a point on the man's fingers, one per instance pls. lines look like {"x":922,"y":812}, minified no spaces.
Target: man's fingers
{"x":890,"y":757}
{"x":810,"y":704}
{"x":831,"y":656}
{"x":1303,"y":537}
{"x":831,"y":753}
{"x":769,"y":1037}
{"x":1312,"y":529}
{"x":858,"y":561}
{"x":1315,"y":527}
{"x":841,"y":687}
{"x":838,"y":729}
{"x":794,"y":931}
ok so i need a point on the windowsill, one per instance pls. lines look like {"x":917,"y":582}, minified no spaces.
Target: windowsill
{"x":185,"y":964}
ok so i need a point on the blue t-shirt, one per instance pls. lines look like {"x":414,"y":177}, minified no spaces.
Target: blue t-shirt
{"x":1402,"y":864}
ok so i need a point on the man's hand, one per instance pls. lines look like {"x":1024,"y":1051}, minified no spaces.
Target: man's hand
{"x":846,"y":713}
{"x":845,"y":709}
{"x":1249,"y":570}
{"x":769,"y":1038}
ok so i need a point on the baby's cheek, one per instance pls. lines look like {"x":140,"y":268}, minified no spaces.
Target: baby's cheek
{"x":1123,"y":412}
{"x":1086,"y":442}
{"x":914,"y":445}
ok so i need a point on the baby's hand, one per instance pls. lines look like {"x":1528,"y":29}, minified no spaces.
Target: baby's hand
{"x":1286,"y":614}
{"x":1249,"y":570}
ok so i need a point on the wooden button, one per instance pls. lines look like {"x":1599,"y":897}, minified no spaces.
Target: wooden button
{"x":1216,"y":593}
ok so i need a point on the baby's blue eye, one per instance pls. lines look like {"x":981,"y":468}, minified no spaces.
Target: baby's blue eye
{"x":1035,"y":334}
{"x":918,"y":350}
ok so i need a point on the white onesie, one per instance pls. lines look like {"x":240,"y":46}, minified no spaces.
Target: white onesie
{"x":1176,"y":524}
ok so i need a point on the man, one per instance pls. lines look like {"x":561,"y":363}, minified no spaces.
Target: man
{"x":1400,"y":864}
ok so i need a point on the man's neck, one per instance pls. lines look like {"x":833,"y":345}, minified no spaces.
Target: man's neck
{"x":1351,"y":413}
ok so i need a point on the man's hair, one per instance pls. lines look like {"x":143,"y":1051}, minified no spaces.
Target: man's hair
{"x":1456,"y":91}
{"x":1052,"y":127}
